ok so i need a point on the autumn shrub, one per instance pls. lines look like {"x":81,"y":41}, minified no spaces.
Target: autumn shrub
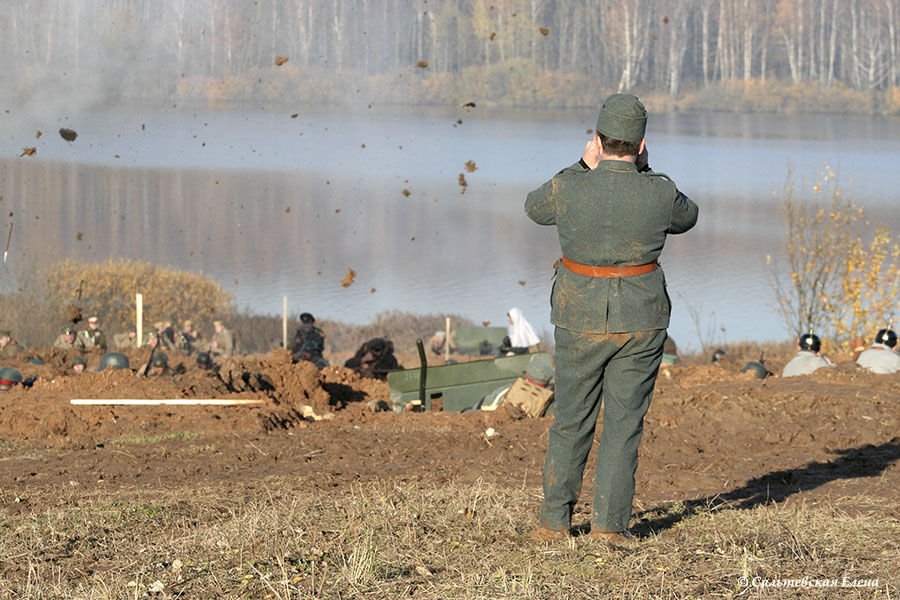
{"x":108,"y":290}
{"x":842,"y":276}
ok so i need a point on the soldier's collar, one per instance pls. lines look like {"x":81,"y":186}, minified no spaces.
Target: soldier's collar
{"x":617,"y":165}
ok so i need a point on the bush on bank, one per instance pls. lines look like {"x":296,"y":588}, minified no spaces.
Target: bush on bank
{"x":35,"y":310}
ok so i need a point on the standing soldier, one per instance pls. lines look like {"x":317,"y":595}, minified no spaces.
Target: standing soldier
{"x":8,"y":348}
{"x":68,"y":338}
{"x":308,"y":332}
{"x":610,"y":308}
{"x":222,"y":341}
{"x":186,"y":339}
{"x":93,"y":337}
{"x":126,"y":340}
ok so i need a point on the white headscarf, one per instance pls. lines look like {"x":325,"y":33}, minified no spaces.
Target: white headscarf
{"x":521,"y":333}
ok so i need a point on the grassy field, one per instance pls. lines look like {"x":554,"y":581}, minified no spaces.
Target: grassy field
{"x":396,"y":539}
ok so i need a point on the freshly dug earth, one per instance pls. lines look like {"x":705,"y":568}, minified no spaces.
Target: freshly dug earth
{"x":713,"y":436}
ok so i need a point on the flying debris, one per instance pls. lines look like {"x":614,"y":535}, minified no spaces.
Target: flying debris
{"x":68,"y":134}
{"x":28,"y":151}
{"x":348,"y":279}
{"x":467,"y":105}
{"x":544,"y":31}
{"x":280,"y":60}
{"x":470,"y":166}
{"x":422,"y":64}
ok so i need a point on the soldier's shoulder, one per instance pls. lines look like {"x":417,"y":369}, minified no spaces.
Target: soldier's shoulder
{"x":658,"y":176}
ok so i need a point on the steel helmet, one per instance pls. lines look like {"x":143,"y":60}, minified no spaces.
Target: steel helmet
{"x":810,"y":341}
{"x":116,"y":360}
{"x":757,"y":368}
{"x":886,"y":337}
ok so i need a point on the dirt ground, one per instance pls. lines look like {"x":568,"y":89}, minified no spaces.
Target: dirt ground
{"x":713,"y":435}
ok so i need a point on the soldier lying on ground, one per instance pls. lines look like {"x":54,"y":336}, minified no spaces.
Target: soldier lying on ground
{"x":375,"y":359}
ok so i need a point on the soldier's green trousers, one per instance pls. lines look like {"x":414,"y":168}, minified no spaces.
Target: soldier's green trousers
{"x":619,"y":369}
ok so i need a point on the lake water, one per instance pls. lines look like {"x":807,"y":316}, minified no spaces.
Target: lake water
{"x":272,"y":205}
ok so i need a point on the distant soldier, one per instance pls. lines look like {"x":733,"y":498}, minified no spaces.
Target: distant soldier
{"x":808,"y":358}
{"x":164,"y":334}
{"x":881,"y":357}
{"x":93,"y":336}
{"x":374,"y":359}
{"x":437,"y":342}
{"x":152,"y":340}
{"x":310,"y":352}
{"x":204,"y":361}
{"x":186,"y":341}
{"x":78,"y":365}
{"x":126,"y":340}
{"x":529,"y":393}
{"x":8,"y":378}
{"x":68,"y":338}
{"x":308,"y":332}
{"x":222,"y":341}
{"x":8,"y":348}
{"x":159,"y":366}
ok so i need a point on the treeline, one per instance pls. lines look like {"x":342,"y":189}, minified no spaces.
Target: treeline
{"x":526,"y":52}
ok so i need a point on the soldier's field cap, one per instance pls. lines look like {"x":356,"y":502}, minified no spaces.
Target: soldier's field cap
{"x":5,"y":333}
{"x":622,"y":117}
{"x":93,"y":320}
{"x":188,"y":322}
{"x":538,"y":373}
{"x":307,"y":318}
{"x":217,"y":323}
{"x":67,"y":329}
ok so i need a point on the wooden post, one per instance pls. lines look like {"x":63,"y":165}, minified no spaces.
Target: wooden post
{"x":446,"y":339}
{"x":284,"y":323}
{"x":139,"y":317}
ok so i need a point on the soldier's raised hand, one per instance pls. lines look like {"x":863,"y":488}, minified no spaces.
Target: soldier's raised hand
{"x":591,"y":155}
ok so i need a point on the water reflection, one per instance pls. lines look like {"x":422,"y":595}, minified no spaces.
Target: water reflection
{"x":270,"y":212}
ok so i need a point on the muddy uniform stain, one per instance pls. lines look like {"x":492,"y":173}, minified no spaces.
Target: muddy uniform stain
{"x":610,"y":331}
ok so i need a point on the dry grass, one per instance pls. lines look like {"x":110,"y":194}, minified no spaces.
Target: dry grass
{"x":393,"y":539}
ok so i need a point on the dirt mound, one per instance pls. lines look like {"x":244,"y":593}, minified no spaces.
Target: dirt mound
{"x":291,"y":395}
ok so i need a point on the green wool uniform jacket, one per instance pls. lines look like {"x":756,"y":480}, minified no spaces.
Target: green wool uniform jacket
{"x":611,"y":216}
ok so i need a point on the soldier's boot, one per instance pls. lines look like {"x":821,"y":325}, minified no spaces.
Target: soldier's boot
{"x":543,"y":535}
{"x":620,"y":537}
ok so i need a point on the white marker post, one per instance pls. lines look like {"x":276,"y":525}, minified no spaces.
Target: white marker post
{"x":284,"y":323}
{"x":165,"y":402}
{"x":139,"y":317}
{"x":446,"y":340}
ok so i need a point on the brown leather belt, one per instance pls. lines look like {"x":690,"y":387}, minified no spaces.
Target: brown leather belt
{"x":592,"y":271}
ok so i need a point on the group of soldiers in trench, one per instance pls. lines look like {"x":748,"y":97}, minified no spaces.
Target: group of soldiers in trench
{"x":375,"y":358}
